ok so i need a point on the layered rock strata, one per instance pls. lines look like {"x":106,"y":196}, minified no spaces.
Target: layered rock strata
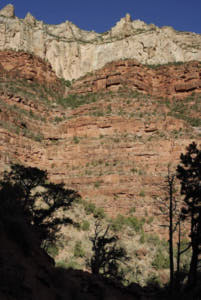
{"x":114,"y":150}
{"x":29,"y":67}
{"x":73,"y":52}
{"x":174,"y":80}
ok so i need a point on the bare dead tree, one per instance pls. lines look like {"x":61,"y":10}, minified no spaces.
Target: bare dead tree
{"x":170,"y":208}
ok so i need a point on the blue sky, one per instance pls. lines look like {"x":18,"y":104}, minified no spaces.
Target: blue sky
{"x":101,"y":15}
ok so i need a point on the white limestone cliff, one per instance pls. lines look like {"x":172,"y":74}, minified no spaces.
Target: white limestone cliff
{"x":73,"y":52}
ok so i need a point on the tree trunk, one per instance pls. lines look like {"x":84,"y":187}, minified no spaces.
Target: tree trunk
{"x":171,"y":254}
{"x":179,"y":247}
{"x":192,"y":276}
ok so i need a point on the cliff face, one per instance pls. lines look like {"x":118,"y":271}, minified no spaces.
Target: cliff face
{"x":29,"y":67}
{"x":112,"y":147}
{"x":172,"y":80}
{"x":73,"y":52}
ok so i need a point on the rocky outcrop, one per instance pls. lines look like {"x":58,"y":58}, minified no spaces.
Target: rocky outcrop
{"x":27,"y":66}
{"x":73,"y":52}
{"x":8,"y":11}
{"x":174,"y":80}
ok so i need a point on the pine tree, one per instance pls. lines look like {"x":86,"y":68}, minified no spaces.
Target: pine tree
{"x":189,"y":174}
{"x":38,"y":200}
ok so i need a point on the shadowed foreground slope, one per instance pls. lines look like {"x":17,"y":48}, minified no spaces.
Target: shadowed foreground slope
{"x":28,"y":273}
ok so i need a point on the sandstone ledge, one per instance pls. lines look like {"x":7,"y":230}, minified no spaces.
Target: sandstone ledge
{"x":173,"y":80}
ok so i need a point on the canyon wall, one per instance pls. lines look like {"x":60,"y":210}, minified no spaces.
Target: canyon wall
{"x":112,"y":147}
{"x":73,"y":52}
{"x":172,"y":80}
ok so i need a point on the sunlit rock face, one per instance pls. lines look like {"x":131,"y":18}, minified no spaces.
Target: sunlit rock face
{"x":8,"y":11}
{"x":167,"y":81}
{"x":73,"y":52}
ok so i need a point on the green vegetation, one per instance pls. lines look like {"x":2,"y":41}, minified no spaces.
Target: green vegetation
{"x":78,"y":250}
{"x":57,"y":119}
{"x":132,"y":210}
{"x":91,"y":209}
{"x":97,"y":184}
{"x":85,"y":225}
{"x":99,"y":213}
{"x":176,"y":63}
{"x":142,"y":193}
{"x":32,"y":91}
{"x":160,"y":261}
{"x":74,"y":101}
{"x":76,"y":140}
{"x":67,"y":83}
{"x":71,"y":264}
{"x":188,"y":109}
{"x":134,"y":223}
{"x":52,"y":250}
{"x":38,"y":137}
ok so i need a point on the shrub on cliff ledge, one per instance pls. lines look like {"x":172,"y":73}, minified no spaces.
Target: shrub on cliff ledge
{"x":74,"y":101}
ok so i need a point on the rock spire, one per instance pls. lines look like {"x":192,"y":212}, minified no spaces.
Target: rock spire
{"x":8,"y":11}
